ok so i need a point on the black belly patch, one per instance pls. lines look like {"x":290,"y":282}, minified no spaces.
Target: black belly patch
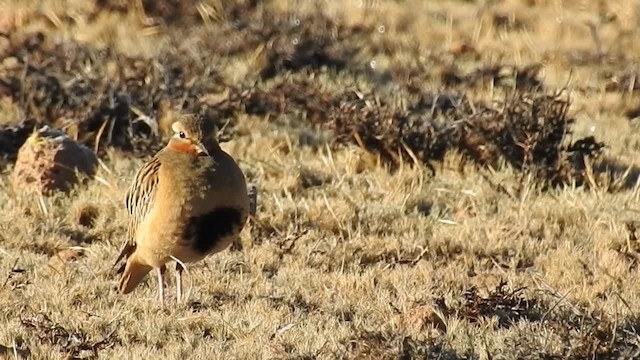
{"x":206,"y":231}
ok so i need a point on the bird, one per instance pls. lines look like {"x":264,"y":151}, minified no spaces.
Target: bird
{"x":186,"y":203}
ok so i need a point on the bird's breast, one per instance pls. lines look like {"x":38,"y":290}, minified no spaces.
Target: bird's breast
{"x":206,"y":201}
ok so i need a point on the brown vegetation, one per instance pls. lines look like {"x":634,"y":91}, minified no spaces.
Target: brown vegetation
{"x":437,"y":179}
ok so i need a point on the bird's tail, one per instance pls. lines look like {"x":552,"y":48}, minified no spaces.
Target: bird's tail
{"x":134,"y":272}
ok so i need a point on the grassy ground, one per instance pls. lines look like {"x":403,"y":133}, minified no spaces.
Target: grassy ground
{"x":361,"y":249}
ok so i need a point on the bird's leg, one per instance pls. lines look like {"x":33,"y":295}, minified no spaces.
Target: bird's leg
{"x":252,"y":191}
{"x":179,"y":270}
{"x":160,"y":272}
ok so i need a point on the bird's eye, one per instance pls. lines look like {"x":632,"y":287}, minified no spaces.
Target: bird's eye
{"x":182,"y":135}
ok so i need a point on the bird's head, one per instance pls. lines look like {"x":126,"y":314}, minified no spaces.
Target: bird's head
{"x":190,"y":136}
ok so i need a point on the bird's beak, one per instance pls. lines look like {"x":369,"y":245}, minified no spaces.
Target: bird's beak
{"x":201,"y":150}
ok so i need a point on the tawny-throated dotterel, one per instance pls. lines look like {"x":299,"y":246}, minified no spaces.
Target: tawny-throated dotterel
{"x":189,"y":201}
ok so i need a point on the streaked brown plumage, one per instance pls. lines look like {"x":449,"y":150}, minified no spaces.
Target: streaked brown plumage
{"x":189,"y":201}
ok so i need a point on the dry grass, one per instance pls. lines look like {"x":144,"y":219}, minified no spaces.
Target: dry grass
{"x":358,"y":252}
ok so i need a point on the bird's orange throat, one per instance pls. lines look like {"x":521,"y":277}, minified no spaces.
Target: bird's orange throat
{"x":183,"y":147}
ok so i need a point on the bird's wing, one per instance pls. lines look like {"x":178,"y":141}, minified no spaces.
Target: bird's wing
{"x":139,"y":201}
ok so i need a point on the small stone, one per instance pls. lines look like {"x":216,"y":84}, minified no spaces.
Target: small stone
{"x":48,"y":162}
{"x":461,"y":47}
{"x":420,"y":317}
{"x":60,"y":260}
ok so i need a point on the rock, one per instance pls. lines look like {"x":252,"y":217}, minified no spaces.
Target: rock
{"x":422,"y":316}
{"x":60,"y":260}
{"x":48,"y":162}
{"x":461,"y":48}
